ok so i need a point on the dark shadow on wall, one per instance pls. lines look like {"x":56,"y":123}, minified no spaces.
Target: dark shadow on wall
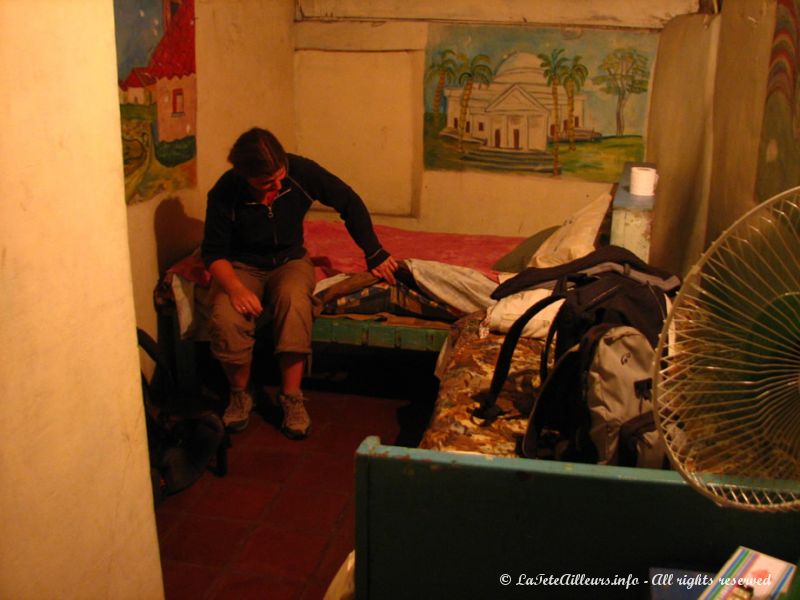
{"x":177,"y":234}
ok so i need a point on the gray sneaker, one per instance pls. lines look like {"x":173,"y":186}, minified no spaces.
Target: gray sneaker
{"x":296,"y":421}
{"x":237,"y":415}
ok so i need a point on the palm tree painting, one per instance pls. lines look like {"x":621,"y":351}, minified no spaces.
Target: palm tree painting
{"x":555,"y":70}
{"x":543,"y":101}
{"x":574,"y":76}
{"x":443,"y":69}
{"x":471,"y":71}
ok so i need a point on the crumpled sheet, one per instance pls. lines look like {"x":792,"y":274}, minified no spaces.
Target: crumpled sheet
{"x":463,"y":288}
{"x":501,"y":315}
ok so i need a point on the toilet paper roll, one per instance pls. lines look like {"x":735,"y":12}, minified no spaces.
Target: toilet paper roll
{"x":643,"y":181}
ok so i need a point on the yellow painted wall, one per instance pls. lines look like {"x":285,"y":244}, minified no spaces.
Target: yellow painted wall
{"x":76,"y":518}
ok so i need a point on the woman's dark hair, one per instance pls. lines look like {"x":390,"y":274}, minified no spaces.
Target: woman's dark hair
{"x":257,"y":153}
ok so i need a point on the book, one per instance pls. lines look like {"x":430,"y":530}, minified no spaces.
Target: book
{"x":750,"y":575}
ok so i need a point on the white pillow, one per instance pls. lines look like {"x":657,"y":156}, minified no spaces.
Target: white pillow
{"x":576,"y":236}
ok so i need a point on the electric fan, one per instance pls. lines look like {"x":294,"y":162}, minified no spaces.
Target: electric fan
{"x":727,"y":393}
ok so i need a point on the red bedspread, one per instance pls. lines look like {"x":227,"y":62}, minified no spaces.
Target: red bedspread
{"x":332,"y":249}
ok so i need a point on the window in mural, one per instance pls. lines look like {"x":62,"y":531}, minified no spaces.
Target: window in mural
{"x":158,"y":95}
{"x":536,"y":100}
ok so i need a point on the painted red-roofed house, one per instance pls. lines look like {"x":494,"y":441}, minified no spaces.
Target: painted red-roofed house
{"x":173,"y":67}
{"x":169,"y":79}
{"x":138,"y":87}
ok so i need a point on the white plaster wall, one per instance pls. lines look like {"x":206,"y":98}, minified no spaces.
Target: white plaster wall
{"x":76,"y":517}
{"x":516,"y":205}
{"x":358,"y":116}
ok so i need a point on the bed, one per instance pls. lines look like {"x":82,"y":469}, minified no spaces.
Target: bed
{"x":464,"y":516}
{"x":354,"y":309}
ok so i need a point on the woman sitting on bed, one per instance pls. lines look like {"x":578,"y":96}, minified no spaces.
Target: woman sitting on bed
{"x":253,"y":247}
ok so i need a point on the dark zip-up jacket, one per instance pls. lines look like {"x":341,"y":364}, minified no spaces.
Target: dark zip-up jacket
{"x":240,"y":228}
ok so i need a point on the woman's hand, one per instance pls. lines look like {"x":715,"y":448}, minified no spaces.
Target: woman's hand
{"x":386,"y":270}
{"x":244,"y":301}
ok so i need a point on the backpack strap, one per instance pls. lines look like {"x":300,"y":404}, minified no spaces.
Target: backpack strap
{"x":162,"y":384}
{"x":549,"y":407}
{"x":488,"y":410}
{"x":150,"y":346}
{"x":558,"y":405}
{"x":578,"y":280}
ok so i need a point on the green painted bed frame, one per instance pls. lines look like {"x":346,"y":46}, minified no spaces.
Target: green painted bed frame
{"x":330,"y":331}
{"x":445,"y":525}
{"x":375,"y":334}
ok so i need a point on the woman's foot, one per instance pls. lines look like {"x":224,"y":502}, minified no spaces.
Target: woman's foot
{"x":237,"y":415}
{"x":296,"y":422}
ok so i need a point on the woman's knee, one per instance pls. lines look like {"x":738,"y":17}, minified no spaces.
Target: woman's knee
{"x":232,"y":335}
{"x":296,"y":297}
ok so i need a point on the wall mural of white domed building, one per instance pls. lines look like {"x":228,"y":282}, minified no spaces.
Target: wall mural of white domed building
{"x":541,"y":100}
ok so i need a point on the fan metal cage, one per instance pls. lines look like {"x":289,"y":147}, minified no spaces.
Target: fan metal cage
{"x":727,"y":392}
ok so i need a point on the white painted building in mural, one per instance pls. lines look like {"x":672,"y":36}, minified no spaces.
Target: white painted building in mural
{"x":516,"y":110}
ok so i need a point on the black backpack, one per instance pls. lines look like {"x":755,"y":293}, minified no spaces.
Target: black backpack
{"x":183,"y":441}
{"x":607,"y":297}
{"x":593,"y":304}
{"x":595,"y":405}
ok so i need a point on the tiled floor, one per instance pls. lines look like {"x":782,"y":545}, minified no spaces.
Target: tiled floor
{"x":282,"y":521}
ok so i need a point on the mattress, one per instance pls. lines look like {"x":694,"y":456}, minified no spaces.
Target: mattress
{"x":465,"y":371}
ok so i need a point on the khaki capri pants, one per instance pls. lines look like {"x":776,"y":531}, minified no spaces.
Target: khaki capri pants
{"x":286,"y":295}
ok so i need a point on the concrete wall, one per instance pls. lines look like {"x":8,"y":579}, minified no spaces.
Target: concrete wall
{"x":680,"y":138}
{"x":706,"y":123}
{"x":76,"y":517}
{"x":745,"y":43}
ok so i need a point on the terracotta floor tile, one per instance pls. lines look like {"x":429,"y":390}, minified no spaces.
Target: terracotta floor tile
{"x":236,"y":498}
{"x":344,"y":440}
{"x":328,"y":471}
{"x":187,"y":498}
{"x":281,"y":523}
{"x":300,"y":508}
{"x":348,"y":521}
{"x":315,"y":590}
{"x":339,"y":547}
{"x":204,"y":540}
{"x":270,"y":436}
{"x":186,"y":582}
{"x":166,"y":521}
{"x":288,"y":554}
{"x":331,"y":407}
{"x":240,"y":586}
{"x":262,"y":464}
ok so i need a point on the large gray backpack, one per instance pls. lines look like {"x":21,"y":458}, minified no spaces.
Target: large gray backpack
{"x":595,"y":406}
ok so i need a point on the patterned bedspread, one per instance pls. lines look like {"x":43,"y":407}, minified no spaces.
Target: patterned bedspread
{"x":465,"y":371}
